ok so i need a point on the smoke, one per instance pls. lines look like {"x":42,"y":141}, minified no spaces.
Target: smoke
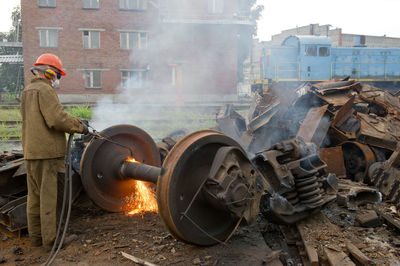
{"x":183,"y":62}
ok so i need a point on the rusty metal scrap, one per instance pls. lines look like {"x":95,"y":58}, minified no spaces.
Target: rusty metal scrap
{"x":386,"y":177}
{"x":333,"y":157}
{"x":315,"y":125}
{"x":295,"y":173}
{"x":329,"y":114}
{"x":12,"y":186}
{"x":352,"y":196}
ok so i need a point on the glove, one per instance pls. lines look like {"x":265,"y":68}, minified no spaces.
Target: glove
{"x":85,"y":125}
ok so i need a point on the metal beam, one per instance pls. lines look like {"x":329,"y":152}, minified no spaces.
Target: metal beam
{"x":10,"y":44}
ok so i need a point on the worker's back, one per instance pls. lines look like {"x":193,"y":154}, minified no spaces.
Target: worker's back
{"x":44,"y":122}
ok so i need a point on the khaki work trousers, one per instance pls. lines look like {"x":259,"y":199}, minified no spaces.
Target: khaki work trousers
{"x":42,"y":178}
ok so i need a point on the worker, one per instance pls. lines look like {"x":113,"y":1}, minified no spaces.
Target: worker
{"x":44,"y":124}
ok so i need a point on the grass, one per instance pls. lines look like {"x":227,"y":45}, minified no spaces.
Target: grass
{"x":10,"y":114}
{"x":81,"y":112}
{"x":7,"y":131}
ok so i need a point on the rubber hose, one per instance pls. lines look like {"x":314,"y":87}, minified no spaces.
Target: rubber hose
{"x":67,"y":180}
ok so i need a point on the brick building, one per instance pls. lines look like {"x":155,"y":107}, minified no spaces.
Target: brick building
{"x":158,"y":47}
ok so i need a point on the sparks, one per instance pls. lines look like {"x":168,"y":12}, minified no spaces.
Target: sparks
{"x":143,"y":200}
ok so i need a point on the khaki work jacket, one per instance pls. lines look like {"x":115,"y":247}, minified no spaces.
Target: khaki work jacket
{"x":44,"y":122}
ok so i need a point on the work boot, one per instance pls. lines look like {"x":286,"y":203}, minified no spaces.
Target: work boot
{"x":67,"y":241}
{"x":36,"y":241}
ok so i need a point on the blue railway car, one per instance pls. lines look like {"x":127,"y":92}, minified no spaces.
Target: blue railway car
{"x":313,"y":59}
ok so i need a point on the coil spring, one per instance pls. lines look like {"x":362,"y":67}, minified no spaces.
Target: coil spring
{"x":292,"y":196}
{"x":308,"y":191}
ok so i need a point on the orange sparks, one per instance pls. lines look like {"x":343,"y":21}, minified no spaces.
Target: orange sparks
{"x":131,"y":160}
{"x":143,"y":200}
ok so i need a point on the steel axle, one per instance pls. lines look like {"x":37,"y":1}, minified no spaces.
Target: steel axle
{"x":140,"y":171}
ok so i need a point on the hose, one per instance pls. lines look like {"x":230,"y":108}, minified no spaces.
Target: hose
{"x":67,"y":180}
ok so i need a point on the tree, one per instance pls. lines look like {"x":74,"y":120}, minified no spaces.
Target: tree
{"x":11,"y":74}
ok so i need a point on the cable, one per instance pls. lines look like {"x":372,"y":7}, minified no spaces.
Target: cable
{"x":67,"y":180}
{"x":97,"y":135}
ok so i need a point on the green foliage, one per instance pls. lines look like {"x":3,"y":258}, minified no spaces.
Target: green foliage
{"x":11,"y":78}
{"x":82,"y":112}
{"x":12,"y":75}
{"x":9,"y":98}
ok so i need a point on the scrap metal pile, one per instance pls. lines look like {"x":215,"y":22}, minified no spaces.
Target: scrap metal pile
{"x":355,"y":127}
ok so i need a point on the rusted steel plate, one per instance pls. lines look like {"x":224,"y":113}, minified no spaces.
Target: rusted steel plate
{"x":264,"y":117}
{"x":372,"y":95}
{"x":344,"y":113}
{"x":379,"y":132}
{"x":333,"y":157}
{"x":315,"y":126}
{"x":13,"y":214}
{"x":324,"y":90}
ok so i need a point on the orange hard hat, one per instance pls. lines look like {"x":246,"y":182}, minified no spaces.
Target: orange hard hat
{"x":50,"y":60}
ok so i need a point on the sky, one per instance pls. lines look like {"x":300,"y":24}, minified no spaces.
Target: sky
{"x":364,"y":17}
{"x":6,"y":7}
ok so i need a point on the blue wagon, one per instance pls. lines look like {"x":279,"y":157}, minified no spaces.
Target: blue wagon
{"x":313,"y":59}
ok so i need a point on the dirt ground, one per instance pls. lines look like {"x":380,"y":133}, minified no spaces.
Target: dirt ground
{"x":101,"y":236}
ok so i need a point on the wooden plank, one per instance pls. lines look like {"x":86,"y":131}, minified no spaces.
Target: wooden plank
{"x":310,"y":250}
{"x":336,"y":257}
{"x":357,"y":254}
{"x":137,"y":260}
{"x":392,"y":221}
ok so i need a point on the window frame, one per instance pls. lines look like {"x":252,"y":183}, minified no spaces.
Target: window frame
{"x":143,"y":77}
{"x":91,"y":85}
{"x":47,"y":4}
{"x":328,"y":51}
{"x":142,"y":43}
{"x":308,"y":49}
{"x":90,"y":5}
{"x":125,"y":5}
{"x":90,"y":31}
{"x":47,"y":29}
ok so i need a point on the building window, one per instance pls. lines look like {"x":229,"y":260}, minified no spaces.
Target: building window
{"x":311,"y":50}
{"x":133,"y":78}
{"x":93,"y":79}
{"x":47,"y":3}
{"x":215,"y":6}
{"x":91,"y":4}
{"x":133,"y":4}
{"x":130,"y":40}
{"x":91,"y":39}
{"x":323,"y":51}
{"x":48,"y":37}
